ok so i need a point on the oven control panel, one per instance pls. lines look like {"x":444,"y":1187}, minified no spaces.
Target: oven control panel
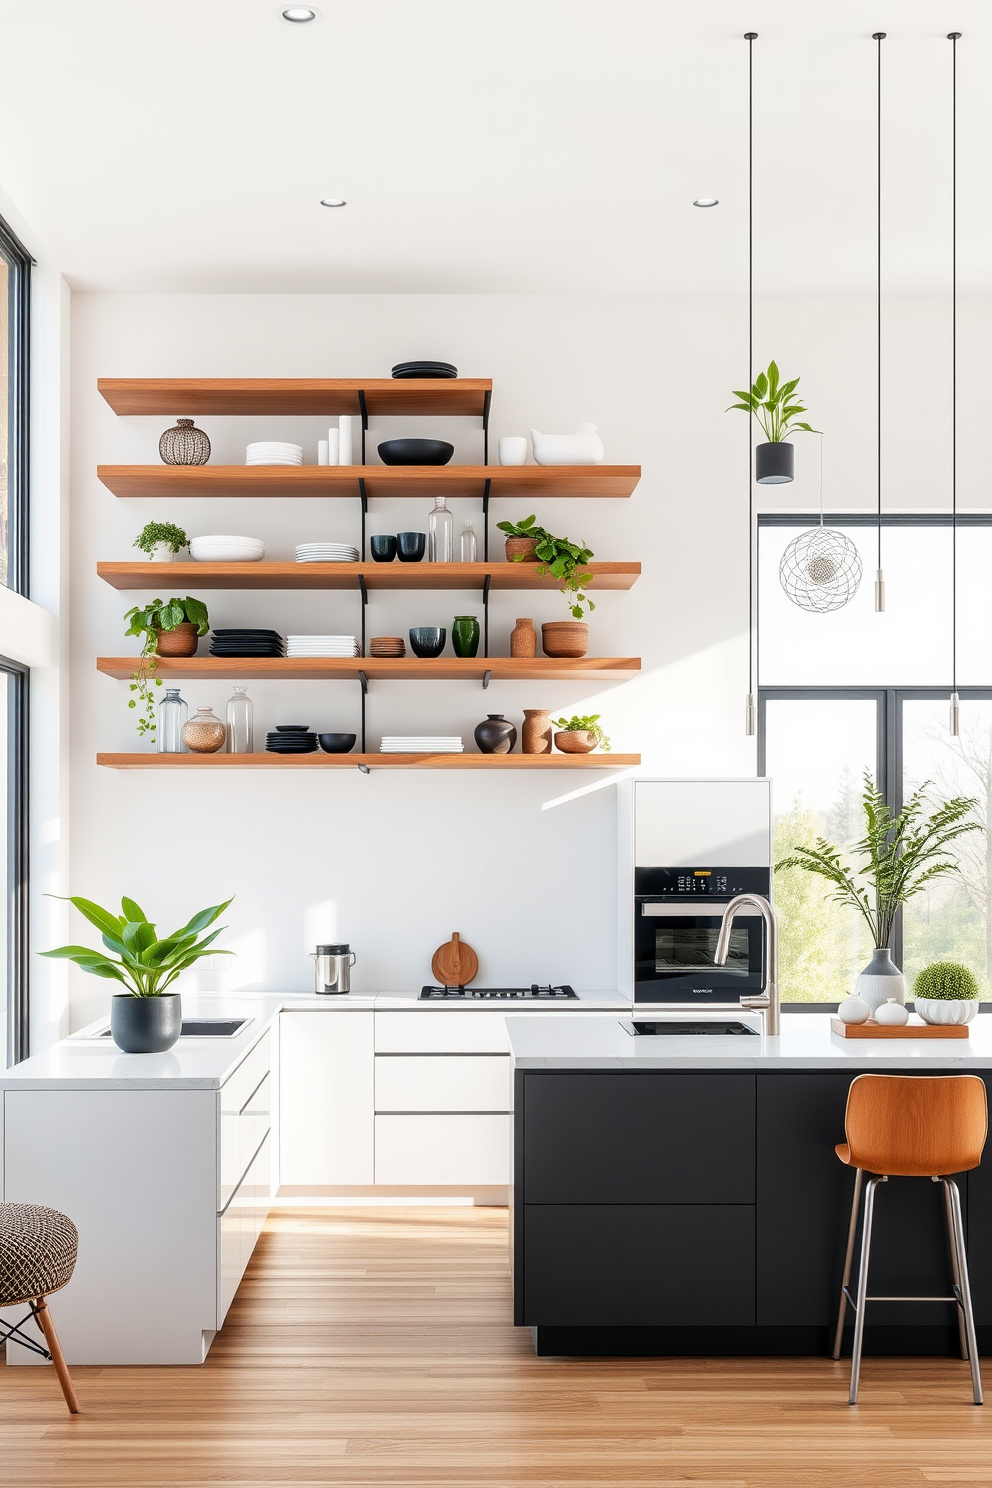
{"x":704,"y":881}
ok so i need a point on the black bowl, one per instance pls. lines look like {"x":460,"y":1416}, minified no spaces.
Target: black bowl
{"x":337,"y":743}
{"x":428,"y":640}
{"x":383,"y":548}
{"x":411,"y":546}
{"x":416,"y":452}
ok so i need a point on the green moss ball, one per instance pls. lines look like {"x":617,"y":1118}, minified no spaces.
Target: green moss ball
{"x":945,"y":981}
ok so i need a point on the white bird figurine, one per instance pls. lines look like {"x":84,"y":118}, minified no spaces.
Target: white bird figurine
{"x":583,"y":448}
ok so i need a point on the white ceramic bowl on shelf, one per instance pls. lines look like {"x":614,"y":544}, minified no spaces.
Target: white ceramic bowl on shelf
{"x":225,"y":549}
{"x":944,"y":1011}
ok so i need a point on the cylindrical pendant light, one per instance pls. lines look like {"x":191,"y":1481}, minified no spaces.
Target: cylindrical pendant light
{"x":955,"y":712}
{"x":750,"y":716}
{"x":878,"y":37}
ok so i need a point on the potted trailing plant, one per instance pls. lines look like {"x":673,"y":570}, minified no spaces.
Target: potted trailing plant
{"x":775,"y":404}
{"x":161,"y":541}
{"x":146,"y":1018}
{"x":900,"y":854}
{"x":170,"y":628}
{"x":565,"y":561}
{"x":580,"y":735}
{"x":946,"y":992}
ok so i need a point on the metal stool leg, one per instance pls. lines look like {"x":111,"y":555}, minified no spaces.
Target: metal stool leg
{"x":955,"y":1268}
{"x":964,"y":1286}
{"x":845,"y":1280}
{"x":859,"y":1317}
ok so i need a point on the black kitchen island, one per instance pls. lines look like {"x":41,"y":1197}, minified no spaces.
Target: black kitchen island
{"x":682,"y":1195}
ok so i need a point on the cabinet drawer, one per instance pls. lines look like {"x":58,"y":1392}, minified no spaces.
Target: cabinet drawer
{"x":326,"y":1098}
{"x":441,"y":1031}
{"x":442,"y":1149}
{"x":444,"y":1082}
{"x":239,"y":1227}
{"x":241,"y":1134}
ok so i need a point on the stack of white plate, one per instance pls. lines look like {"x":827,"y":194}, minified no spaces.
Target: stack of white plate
{"x":422,"y":744}
{"x":274,"y":452}
{"x":322,"y":645}
{"x":226,"y":549}
{"x":326,"y":552}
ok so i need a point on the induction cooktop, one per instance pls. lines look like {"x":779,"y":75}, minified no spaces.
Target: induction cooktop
{"x":430,"y":994}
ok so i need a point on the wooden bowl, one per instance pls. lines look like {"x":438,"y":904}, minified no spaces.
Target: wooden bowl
{"x":575,"y":741}
{"x":565,"y":638}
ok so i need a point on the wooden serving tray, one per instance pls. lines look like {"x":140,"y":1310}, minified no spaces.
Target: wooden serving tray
{"x":913,"y":1030}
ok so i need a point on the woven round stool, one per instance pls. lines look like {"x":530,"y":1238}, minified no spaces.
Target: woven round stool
{"x":37,"y":1257}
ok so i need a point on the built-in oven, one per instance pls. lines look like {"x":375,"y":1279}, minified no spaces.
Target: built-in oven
{"x":677,"y":918}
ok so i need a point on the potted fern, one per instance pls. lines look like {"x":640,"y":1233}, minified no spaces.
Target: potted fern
{"x":899,"y":855}
{"x":946,"y":992}
{"x":776,"y":406}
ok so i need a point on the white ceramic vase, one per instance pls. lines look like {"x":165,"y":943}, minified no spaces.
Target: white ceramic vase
{"x":513,"y":450}
{"x":162,"y":553}
{"x":891,"y":1014}
{"x":583,"y":448}
{"x":939,"y":1010}
{"x":880,"y":980}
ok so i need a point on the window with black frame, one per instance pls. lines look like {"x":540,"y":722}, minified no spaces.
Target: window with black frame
{"x":854,"y":691}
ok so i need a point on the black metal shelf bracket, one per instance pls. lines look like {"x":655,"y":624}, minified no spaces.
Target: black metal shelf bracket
{"x":485,"y":520}
{"x":364,"y":588}
{"x":364,"y":680}
{"x":486,"y":679}
{"x":486,"y":401}
{"x":485,"y":613}
{"x":365,"y":421}
{"x":365,"y":510}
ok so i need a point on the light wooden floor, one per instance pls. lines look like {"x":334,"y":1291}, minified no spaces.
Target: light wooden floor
{"x":374,"y":1347}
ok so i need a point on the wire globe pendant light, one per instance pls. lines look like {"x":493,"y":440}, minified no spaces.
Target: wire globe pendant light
{"x":820,"y":569}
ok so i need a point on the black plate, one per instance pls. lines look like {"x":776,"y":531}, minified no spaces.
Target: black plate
{"x":310,"y":749}
{"x":415,"y":451}
{"x":269,"y":635}
{"x":424,"y":369}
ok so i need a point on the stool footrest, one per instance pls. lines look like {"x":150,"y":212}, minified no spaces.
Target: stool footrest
{"x":956,"y":1299}
{"x":13,"y":1332}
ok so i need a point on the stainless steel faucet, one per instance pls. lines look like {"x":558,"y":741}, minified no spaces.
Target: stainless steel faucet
{"x":769,"y":1001}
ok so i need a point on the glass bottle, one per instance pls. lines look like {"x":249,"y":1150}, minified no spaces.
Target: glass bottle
{"x":240,"y":732}
{"x":440,"y":533}
{"x":172,"y":714}
{"x":469,"y":544}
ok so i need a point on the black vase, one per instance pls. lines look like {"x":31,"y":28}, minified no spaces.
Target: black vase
{"x":495,"y":736}
{"x":774,"y":464}
{"x":146,"y":1025}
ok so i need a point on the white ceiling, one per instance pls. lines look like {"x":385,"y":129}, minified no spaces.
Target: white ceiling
{"x":492,"y":145}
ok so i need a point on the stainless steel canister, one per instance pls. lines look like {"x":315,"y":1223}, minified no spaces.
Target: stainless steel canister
{"x":332,"y":969}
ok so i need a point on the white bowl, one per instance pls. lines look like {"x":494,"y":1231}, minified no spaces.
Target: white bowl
{"x":226,"y":549}
{"x":943,"y":1011}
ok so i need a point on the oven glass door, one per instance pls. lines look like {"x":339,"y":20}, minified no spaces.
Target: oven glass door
{"x":674,"y":950}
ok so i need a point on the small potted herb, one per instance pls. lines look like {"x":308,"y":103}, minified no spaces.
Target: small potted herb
{"x":161,"y":541}
{"x":946,"y":992}
{"x":145,"y":1018}
{"x":580,"y":735}
{"x":777,"y":408}
{"x":170,"y":628}
{"x":565,"y":561}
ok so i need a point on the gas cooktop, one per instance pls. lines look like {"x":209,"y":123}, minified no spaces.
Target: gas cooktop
{"x":428,"y":994}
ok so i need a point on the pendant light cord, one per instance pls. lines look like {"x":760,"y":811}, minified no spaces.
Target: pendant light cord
{"x":750,"y":37}
{"x":953,"y":37}
{"x":879,"y":37}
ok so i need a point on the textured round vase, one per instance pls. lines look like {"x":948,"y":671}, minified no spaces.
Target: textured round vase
{"x":495,"y":735}
{"x":944,"y":1011}
{"x":576,"y":741}
{"x":774,"y":464}
{"x":204,"y":734}
{"x":536,"y":730}
{"x":145,"y":1025}
{"x":521,"y":548}
{"x":182,"y":641}
{"x":853,"y":1010}
{"x":565,"y":638}
{"x":880,"y":980}
{"x":523,"y":639}
{"x":465,"y":633}
{"x":184,"y":444}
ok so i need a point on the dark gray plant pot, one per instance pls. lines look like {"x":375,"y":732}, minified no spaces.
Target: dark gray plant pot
{"x":774,"y":464}
{"x":146,"y":1025}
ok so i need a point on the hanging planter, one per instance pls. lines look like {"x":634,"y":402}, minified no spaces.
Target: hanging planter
{"x":774,"y":464}
{"x":777,"y":408}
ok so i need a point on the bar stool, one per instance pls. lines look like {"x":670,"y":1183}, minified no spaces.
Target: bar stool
{"x":912,"y":1126}
{"x":37,"y":1257}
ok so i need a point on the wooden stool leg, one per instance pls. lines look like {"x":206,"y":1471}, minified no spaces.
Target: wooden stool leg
{"x":852,"y":1231}
{"x":44,"y":1319}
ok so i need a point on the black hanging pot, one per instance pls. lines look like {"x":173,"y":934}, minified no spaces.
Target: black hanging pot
{"x":146,"y":1025}
{"x":774,"y":464}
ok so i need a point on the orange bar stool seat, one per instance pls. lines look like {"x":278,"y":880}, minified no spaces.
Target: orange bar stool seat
{"x":911,"y":1126}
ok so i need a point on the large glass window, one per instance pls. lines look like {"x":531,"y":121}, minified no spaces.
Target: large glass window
{"x":13,"y":863}
{"x":15,"y":269}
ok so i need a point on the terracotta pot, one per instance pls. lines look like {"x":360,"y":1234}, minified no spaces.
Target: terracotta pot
{"x":179,"y":642}
{"x":536,"y":731}
{"x":565,"y":638}
{"x":523,"y":639}
{"x":575,"y":741}
{"x":525,"y":546}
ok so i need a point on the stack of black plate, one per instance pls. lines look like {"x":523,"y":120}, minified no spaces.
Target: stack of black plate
{"x":291,"y":738}
{"x":246,"y":643}
{"x":424,"y":369}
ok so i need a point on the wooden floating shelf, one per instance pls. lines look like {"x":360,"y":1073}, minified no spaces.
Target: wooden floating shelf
{"x":380,"y":668}
{"x":373,"y":761}
{"x":419,"y":481}
{"x":377,"y":576}
{"x":463,"y":397}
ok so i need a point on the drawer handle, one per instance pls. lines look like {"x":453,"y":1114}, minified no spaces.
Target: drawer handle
{"x":254,"y":1093}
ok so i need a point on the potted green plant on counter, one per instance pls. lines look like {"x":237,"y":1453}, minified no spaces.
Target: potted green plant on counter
{"x":776,"y":406}
{"x":565,"y":561}
{"x":899,"y":854}
{"x":161,"y":541}
{"x":946,"y":992}
{"x":146,"y":1018}
{"x":170,"y":628}
{"x":580,"y":734}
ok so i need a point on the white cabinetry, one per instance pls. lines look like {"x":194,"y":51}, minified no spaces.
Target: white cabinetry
{"x":326,"y":1098}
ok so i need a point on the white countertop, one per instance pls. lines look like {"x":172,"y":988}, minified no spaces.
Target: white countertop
{"x":805,"y":1043}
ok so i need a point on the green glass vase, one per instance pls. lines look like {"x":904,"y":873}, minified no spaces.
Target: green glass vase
{"x":465,"y":635}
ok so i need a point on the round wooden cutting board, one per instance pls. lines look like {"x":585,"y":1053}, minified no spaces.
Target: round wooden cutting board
{"x":455,"y":964}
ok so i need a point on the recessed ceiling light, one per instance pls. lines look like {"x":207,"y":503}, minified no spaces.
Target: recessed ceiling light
{"x":706,"y":201}
{"x":333,"y":201}
{"x":299,"y":15}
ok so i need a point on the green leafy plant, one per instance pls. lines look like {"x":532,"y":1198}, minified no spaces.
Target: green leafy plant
{"x":774,"y":404}
{"x":148,"y":622}
{"x":161,"y":532}
{"x":946,"y":981}
{"x":900,"y":854}
{"x":559,"y":557}
{"x":144,"y":964}
{"x":588,"y":724}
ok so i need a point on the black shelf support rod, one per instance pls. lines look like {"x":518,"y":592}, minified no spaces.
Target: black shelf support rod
{"x":486,"y":401}
{"x":485,"y":613}
{"x":365,"y":599}
{"x":364,"y":680}
{"x":486,"y":679}
{"x":365,"y":418}
{"x":365,"y":512}
{"x":485,"y":520}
